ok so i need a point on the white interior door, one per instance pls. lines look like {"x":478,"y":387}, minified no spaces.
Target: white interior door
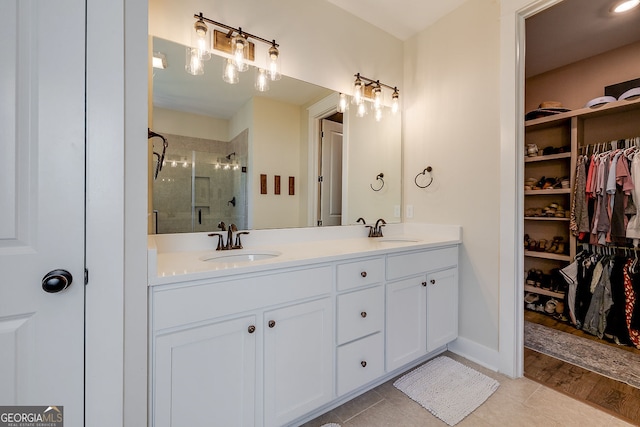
{"x":42,"y":153}
{"x":331,"y":172}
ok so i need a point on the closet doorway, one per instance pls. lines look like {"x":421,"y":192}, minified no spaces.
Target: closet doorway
{"x":575,"y":52}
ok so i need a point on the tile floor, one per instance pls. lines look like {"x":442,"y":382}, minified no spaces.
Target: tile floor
{"x":519,"y":402}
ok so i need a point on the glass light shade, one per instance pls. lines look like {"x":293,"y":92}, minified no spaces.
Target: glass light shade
{"x":230,"y":72}
{"x":262,"y":80}
{"x":343,"y":103}
{"x":273,"y":59}
{"x":240,"y":50}
{"x":201,"y":40}
{"x":361,"y":109}
{"x":358,"y":92}
{"x":378,"y":98}
{"x":194,"y":64}
{"x":395,"y":101}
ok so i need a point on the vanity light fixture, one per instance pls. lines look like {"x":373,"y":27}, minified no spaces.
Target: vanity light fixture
{"x":194,"y":62}
{"x":236,"y":43}
{"x":625,"y":6}
{"x":366,"y":89}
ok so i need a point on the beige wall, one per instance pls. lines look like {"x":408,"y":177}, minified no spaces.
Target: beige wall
{"x":189,"y":124}
{"x":276,"y":151}
{"x":451,"y":122}
{"x":575,"y":84}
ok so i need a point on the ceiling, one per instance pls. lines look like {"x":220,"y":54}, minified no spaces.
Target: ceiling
{"x":567,"y":32}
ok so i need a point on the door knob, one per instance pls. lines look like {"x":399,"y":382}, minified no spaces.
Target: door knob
{"x":56,"y":281}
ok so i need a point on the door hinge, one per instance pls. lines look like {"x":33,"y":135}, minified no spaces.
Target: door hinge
{"x":86,"y":277}
{"x":320,"y":178}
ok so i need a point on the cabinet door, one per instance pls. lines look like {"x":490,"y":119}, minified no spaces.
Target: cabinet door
{"x":206,"y":375}
{"x":406,"y":321}
{"x":442,"y":308}
{"x":298,"y":360}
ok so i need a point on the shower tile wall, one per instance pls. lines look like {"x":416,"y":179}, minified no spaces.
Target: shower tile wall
{"x":210,"y":189}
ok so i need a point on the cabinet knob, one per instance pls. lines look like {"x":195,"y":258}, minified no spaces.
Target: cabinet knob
{"x":251,"y":329}
{"x":433,"y":281}
{"x":363,"y":314}
{"x":272,"y":323}
{"x":363,"y":274}
{"x":364,"y":363}
{"x":424,"y":283}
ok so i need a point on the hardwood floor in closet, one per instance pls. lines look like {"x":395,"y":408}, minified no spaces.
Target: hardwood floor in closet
{"x":613,"y":397}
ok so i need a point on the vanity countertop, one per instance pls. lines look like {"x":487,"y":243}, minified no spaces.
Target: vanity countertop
{"x":180,"y":257}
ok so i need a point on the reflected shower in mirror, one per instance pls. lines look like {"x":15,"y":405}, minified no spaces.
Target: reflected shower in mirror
{"x":273,"y":134}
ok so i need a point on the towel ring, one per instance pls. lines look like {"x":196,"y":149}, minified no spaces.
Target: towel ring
{"x":378,"y":178}
{"x":424,"y":172}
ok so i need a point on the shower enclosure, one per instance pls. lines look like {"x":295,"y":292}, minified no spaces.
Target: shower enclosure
{"x":201,"y":183}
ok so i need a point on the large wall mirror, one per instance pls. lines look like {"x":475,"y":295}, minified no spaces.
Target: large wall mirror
{"x":254,"y":158}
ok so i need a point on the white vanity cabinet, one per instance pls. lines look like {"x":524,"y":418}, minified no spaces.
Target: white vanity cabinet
{"x":253,"y":350}
{"x":421,"y":304}
{"x":278,"y":345}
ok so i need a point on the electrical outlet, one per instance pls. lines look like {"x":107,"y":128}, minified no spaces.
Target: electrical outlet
{"x":409,"y":211}
{"x":396,"y":211}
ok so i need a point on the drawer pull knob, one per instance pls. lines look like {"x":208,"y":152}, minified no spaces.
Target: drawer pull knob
{"x":363,"y":274}
{"x":272,"y":323}
{"x":364,"y":364}
{"x":424,"y":283}
{"x":363,"y":314}
{"x":433,"y":281}
{"x":251,"y":329}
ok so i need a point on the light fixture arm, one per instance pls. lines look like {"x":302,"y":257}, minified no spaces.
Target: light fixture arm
{"x":237,"y":30}
{"x":377,"y":82}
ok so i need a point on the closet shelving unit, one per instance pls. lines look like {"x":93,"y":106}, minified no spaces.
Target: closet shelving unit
{"x":574,"y":129}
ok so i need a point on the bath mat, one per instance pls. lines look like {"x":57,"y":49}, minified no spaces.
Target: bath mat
{"x":603,"y":359}
{"x":446,"y":388}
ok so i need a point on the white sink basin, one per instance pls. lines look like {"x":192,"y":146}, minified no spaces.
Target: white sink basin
{"x":239,"y":255}
{"x":396,"y":240}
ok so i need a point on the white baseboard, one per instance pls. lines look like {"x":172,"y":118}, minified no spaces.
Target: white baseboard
{"x":477,"y":353}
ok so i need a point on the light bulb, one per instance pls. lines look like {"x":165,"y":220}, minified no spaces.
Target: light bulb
{"x":201,"y":40}
{"x":343,"y":103}
{"x":262,"y":80}
{"x":378,"y":114}
{"x":239,"y":45}
{"x":361,"y":109}
{"x":230,"y":72}
{"x":194,"y":64}
{"x":273,"y":59}
{"x":358,"y":91}
{"x":395,"y":101}
{"x":378,"y":98}
{"x":626,"y":6}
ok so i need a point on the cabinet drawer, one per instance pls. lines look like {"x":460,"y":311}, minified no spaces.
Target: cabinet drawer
{"x":421,"y":262}
{"x":360,"y":273}
{"x":360,"y":362}
{"x":182,"y":305}
{"x":360,"y":313}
